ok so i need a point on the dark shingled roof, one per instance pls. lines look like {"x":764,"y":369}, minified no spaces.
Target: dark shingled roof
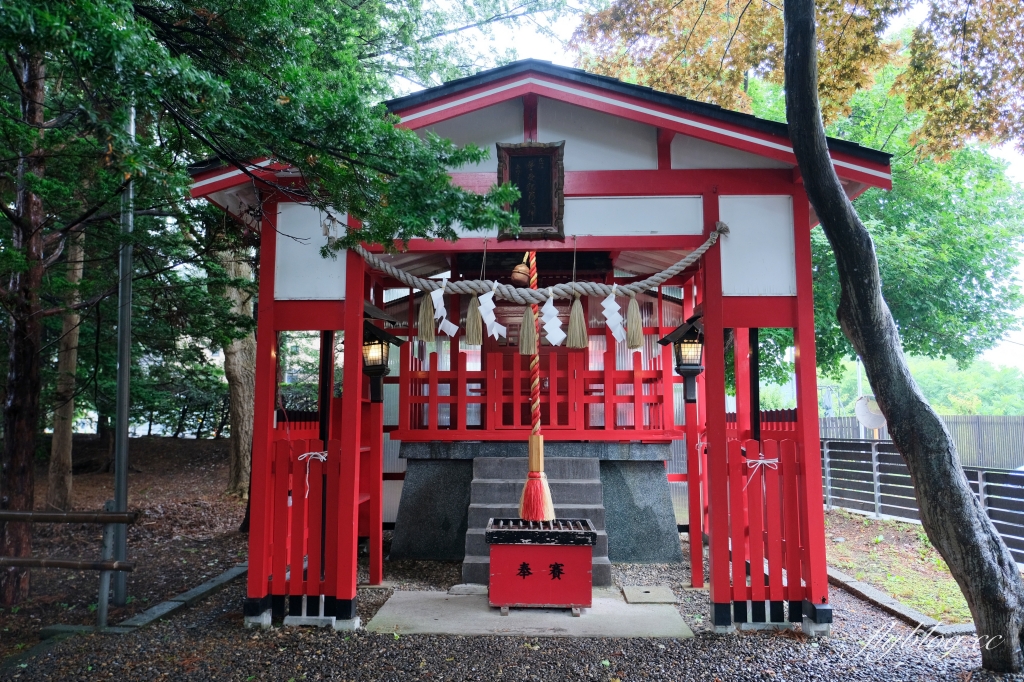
{"x":639,"y":91}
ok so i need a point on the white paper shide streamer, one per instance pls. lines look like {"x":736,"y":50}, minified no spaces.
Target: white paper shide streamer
{"x":440,"y":313}
{"x":612,"y":317}
{"x":494,"y":329}
{"x":552,"y":325}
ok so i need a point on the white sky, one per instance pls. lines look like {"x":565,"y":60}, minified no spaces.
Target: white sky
{"x":531,"y":43}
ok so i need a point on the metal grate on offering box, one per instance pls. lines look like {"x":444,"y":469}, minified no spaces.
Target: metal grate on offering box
{"x":557,"y":532}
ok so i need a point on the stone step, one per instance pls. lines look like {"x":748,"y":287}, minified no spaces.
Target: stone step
{"x":493,"y":490}
{"x":477,"y":546}
{"x":556,"y":468}
{"x":476,"y":569}
{"x":479,"y":514}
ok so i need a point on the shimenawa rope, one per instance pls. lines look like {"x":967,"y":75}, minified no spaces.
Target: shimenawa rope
{"x":534,"y":296}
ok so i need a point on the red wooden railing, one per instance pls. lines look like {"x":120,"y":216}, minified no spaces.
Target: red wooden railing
{"x":298,"y":533}
{"x":577,"y":403}
{"x":305,"y":510}
{"x":765,"y":525}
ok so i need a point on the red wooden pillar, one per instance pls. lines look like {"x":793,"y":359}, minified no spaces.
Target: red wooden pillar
{"x":260,"y":496}
{"x":714,"y":387}
{"x":808,"y":456}
{"x":702,"y":418}
{"x":693,"y":469}
{"x":349,"y":446}
{"x":376,"y":502}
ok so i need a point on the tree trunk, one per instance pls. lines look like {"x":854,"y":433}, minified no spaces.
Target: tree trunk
{"x":58,"y":492}
{"x":103,"y":431}
{"x":181,"y":418}
{"x":225,"y":414}
{"x":950,"y":514}
{"x":240,"y":370}
{"x":21,"y":407}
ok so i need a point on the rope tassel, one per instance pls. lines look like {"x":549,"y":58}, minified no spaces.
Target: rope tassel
{"x":528,"y":332}
{"x":535,"y":503}
{"x":634,"y":325}
{"x":425,"y":321}
{"x":474,"y":323}
{"x":577,"y":326}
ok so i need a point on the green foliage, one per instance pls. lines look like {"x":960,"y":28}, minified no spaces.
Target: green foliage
{"x":978,"y":388}
{"x":299,"y":81}
{"x":947,"y":236}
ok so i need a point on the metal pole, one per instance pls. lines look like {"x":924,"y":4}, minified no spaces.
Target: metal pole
{"x":102,"y":603}
{"x":860,"y":392}
{"x":876,"y":483}
{"x":828,"y":475}
{"x":124,"y":365}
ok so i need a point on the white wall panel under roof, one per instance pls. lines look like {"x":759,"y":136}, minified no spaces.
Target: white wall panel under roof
{"x":300,"y":274}
{"x":502,"y":122}
{"x":758,"y":253}
{"x":691,"y":152}
{"x":596,"y":141}
{"x":633,"y":216}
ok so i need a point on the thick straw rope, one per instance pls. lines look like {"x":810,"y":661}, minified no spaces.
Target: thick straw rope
{"x":535,"y":356}
{"x":533,"y":296}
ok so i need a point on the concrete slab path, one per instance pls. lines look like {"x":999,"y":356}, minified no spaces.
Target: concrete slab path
{"x":440,"y":613}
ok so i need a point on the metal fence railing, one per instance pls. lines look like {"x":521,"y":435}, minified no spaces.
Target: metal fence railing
{"x":871,"y":476}
{"x":983,"y":441}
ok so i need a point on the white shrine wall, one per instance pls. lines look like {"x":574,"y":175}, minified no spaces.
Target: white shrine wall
{"x":595,"y":140}
{"x":499,"y":123}
{"x":300,"y":273}
{"x":758,"y":254}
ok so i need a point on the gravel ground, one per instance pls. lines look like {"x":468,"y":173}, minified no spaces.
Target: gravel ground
{"x":208,"y":642}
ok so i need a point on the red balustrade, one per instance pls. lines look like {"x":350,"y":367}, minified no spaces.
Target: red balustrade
{"x":577,"y":403}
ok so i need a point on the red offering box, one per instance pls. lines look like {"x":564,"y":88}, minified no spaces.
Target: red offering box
{"x":541,"y":564}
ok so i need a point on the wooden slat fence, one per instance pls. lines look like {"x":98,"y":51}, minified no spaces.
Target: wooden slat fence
{"x":765,"y":524}
{"x":983,"y":441}
{"x":871,"y":476}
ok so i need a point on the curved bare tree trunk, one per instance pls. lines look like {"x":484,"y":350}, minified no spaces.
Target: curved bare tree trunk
{"x":951,"y":515}
{"x":58,"y":491}
{"x":240,"y":370}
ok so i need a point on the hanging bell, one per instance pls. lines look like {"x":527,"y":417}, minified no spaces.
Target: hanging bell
{"x":521,"y":273}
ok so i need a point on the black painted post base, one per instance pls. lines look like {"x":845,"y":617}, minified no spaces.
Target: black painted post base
{"x":817,"y":619}
{"x":817,"y":613}
{"x":256,"y":612}
{"x":763,"y":614}
{"x":344,"y":609}
{"x":721,"y":617}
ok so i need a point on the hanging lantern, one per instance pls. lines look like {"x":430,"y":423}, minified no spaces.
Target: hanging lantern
{"x":376,"y":351}
{"x":688,"y":348}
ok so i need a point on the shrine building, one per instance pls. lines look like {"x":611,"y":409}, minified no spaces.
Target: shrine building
{"x":619,"y":183}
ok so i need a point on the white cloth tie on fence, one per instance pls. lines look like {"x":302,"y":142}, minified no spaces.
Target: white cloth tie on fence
{"x":310,"y":456}
{"x":757,"y":464}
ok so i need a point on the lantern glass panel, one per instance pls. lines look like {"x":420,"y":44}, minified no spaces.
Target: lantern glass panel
{"x":689,"y":352}
{"x":375,"y":354}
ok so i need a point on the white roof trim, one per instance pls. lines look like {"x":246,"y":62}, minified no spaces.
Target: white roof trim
{"x":229,"y":174}
{"x":576,"y":92}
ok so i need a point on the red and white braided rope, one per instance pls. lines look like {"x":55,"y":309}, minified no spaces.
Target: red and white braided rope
{"x":535,"y":357}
